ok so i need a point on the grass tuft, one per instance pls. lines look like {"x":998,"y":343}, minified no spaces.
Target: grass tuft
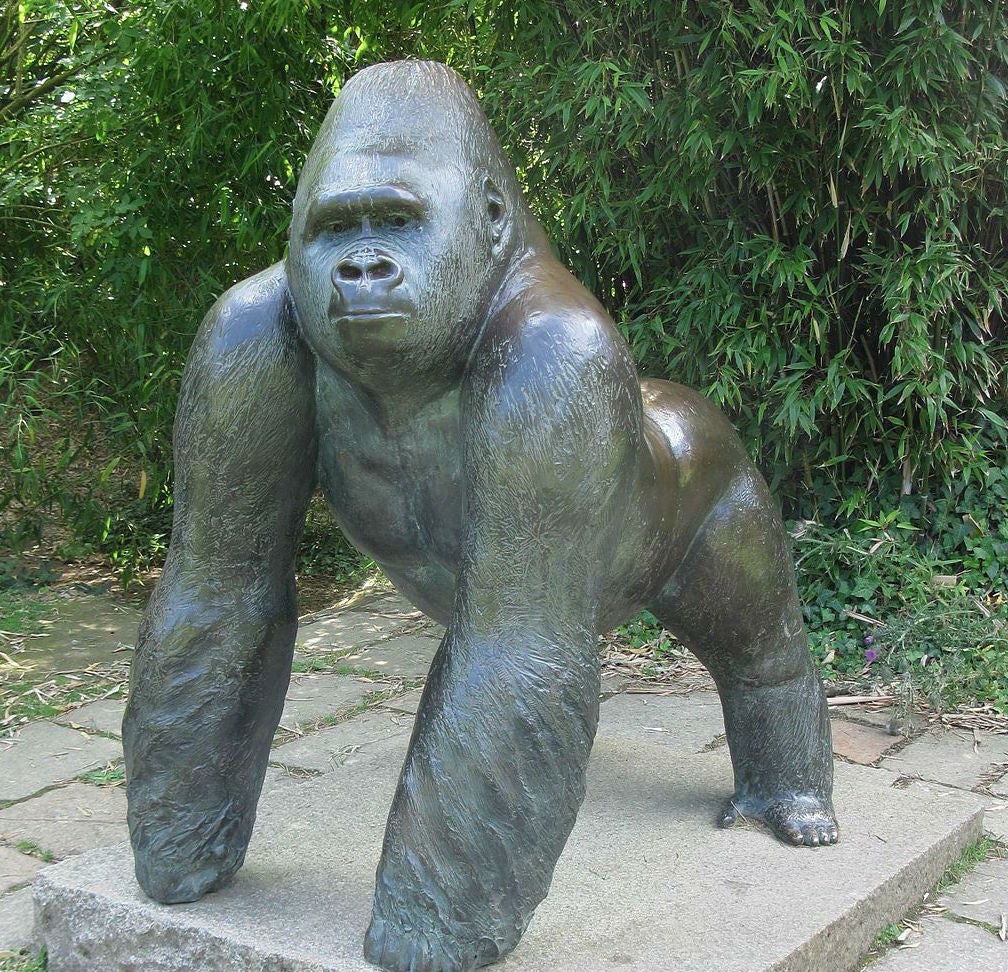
{"x":111,"y":775}
{"x":23,"y":961}
{"x":33,"y":849}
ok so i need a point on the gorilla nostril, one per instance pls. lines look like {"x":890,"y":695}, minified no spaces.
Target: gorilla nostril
{"x":386,"y":270}
{"x":382,"y":269}
{"x":349,"y":272}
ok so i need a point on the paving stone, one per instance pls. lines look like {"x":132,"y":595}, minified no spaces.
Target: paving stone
{"x":681,"y":723}
{"x":882,"y":717}
{"x":408,"y":655}
{"x":946,"y":946}
{"x":999,"y":787}
{"x":345,"y":744}
{"x":859,"y":743}
{"x":103,"y":716}
{"x":996,"y":818}
{"x":647,"y":881}
{"x":17,"y":915}
{"x":311,"y":697}
{"x":69,"y":819}
{"x":982,"y":894}
{"x":394,"y":605}
{"x":16,"y":868}
{"x":86,"y":629}
{"x":613,"y":683}
{"x":408,"y":703}
{"x":337,"y":629}
{"x":43,"y":753}
{"x":950,"y":757}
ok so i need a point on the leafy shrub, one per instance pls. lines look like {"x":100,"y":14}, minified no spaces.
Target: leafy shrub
{"x":150,"y":160}
{"x":798,"y":208}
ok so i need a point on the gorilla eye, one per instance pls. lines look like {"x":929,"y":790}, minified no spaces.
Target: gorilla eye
{"x":399,"y":221}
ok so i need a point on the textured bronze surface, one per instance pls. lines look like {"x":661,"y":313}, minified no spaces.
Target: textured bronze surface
{"x":477,"y":426}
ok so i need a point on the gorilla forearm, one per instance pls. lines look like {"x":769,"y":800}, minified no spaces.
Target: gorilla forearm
{"x":206,"y":694}
{"x":487,"y":798}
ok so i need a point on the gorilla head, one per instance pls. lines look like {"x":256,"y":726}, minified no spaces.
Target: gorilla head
{"x":406,"y":218}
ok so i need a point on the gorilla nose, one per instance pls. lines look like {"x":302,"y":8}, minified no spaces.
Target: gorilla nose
{"x":366,"y":271}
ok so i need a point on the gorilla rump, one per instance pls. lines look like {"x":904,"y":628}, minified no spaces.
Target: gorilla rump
{"x":475,"y":422}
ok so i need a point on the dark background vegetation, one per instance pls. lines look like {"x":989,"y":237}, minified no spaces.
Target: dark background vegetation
{"x":797,"y":207}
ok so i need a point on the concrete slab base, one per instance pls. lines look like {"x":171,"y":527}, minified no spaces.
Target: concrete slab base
{"x":646,"y":881}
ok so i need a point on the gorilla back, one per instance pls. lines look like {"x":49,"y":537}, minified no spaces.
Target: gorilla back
{"x":475,"y":422}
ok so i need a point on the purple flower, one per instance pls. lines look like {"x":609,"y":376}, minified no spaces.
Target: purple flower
{"x":870,"y":654}
{"x":868,"y":639}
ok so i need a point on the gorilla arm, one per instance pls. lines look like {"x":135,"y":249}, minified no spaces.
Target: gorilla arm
{"x":213,"y":657}
{"x":495,"y":772}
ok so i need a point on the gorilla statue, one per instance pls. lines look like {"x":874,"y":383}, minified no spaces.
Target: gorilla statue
{"x":477,"y":426}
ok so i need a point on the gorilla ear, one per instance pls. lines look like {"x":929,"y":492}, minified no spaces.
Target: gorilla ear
{"x":496,"y":211}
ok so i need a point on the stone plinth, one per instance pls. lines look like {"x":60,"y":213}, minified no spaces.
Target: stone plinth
{"x":646,"y":881}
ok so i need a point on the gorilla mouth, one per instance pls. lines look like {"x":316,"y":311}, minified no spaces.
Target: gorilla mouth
{"x":357,"y":312}
{"x":369,"y":316}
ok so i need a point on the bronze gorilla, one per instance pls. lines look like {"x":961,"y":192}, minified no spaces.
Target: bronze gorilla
{"x":477,"y":426}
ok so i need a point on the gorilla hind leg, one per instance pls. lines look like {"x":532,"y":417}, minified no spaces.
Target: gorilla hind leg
{"x":733,"y":601}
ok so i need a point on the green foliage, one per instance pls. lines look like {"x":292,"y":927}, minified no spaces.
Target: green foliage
{"x":949,"y":652}
{"x":918,"y":592}
{"x":799,"y":208}
{"x":149,"y":161}
{"x":324,"y":550}
{"x":112,"y":774}
{"x":33,"y":849}
{"x":24,"y":962}
{"x":982,"y":849}
{"x":643,"y":630}
{"x":887,"y":937}
{"x":20,"y":613}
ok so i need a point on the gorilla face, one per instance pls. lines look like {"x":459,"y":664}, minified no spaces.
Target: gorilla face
{"x":393,"y":246}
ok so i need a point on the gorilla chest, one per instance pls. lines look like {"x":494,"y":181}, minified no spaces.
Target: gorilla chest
{"x":395,"y":485}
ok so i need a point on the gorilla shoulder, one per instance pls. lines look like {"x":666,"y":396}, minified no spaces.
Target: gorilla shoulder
{"x":248,"y":349}
{"x":554,"y":335}
{"x":552,"y":380}
{"x":256,"y":312}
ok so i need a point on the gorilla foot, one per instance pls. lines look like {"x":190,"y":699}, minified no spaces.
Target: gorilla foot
{"x":392,"y":948}
{"x":800,"y":819}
